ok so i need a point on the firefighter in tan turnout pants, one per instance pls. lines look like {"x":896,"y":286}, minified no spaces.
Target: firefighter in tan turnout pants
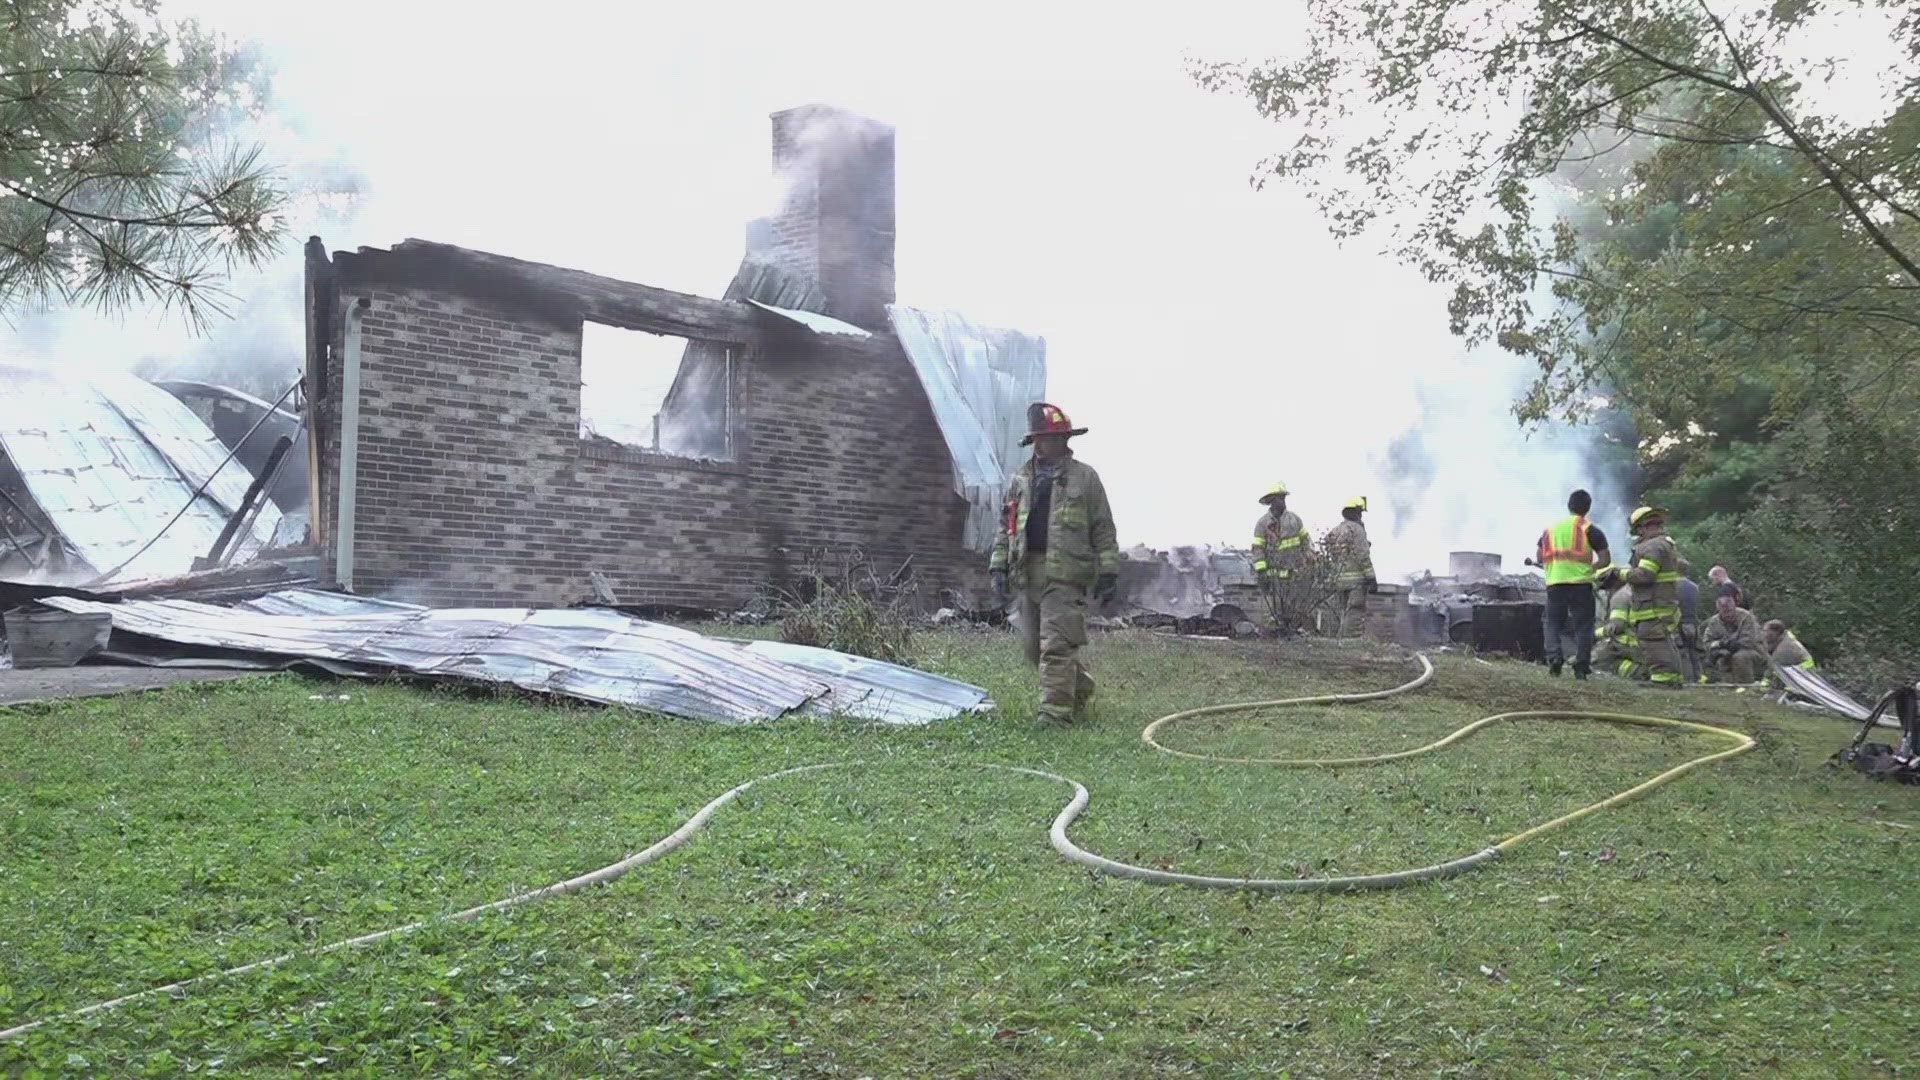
{"x":1653,"y":573}
{"x":1056,"y":543}
{"x":1353,"y":568}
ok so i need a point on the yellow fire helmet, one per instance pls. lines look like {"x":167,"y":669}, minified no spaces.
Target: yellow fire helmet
{"x":1643,"y":513}
{"x":1278,"y":490}
{"x":1358,"y":502}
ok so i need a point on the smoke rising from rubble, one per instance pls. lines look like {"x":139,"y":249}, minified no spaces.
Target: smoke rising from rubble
{"x":1462,"y":473}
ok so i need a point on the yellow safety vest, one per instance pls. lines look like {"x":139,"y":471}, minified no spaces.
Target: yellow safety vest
{"x":1564,"y":552}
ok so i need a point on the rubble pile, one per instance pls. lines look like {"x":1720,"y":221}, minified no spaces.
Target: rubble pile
{"x":1189,"y":589}
{"x":1444,"y":605}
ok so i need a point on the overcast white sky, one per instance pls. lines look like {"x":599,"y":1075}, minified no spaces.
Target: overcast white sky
{"x":1058,"y":173}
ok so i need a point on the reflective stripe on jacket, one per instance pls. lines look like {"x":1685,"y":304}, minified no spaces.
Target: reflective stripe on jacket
{"x":1654,"y":577}
{"x":1352,"y":554}
{"x":1564,"y":553}
{"x":1279,"y":543}
{"x":1081,"y":540}
{"x":1790,"y":653}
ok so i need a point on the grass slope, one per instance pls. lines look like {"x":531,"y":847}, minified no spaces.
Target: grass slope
{"x":908,"y":918}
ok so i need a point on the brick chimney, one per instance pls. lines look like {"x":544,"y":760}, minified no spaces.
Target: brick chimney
{"x":836,"y":221}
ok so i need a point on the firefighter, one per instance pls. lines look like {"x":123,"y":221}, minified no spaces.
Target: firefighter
{"x":1616,"y":642}
{"x":1279,"y":547}
{"x":1653,"y":573}
{"x":1785,"y":649}
{"x":1353,"y":576}
{"x":1570,"y":553}
{"x":1056,"y":543}
{"x":1732,"y":642}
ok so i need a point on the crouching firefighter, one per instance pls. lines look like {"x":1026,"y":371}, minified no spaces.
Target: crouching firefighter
{"x":1616,"y":646}
{"x":1653,"y":575}
{"x":1056,"y":544}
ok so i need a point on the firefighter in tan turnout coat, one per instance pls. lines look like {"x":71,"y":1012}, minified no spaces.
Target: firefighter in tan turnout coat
{"x":1652,"y":575}
{"x":1279,"y":548}
{"x":1353,"y":568}
{"x":1056,"y":545}
{"x":1279,"y":539}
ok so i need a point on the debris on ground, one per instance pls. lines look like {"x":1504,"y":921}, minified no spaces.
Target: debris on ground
{"x":1475,"y":603}
{"x":100,"y":680}
{"x":592,"y":654}
{"x":52,"y":639}
{"x":1898,"y":761}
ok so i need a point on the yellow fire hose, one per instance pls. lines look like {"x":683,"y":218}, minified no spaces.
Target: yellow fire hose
{"x":1741,"y":744}
{"x":1057,"y":833}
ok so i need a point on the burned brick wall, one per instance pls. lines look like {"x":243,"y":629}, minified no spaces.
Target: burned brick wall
{"x":844,"y":449}
{"x":475,"y":487}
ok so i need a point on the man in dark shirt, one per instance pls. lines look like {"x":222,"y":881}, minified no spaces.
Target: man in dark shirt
{"x":1690,"y":628}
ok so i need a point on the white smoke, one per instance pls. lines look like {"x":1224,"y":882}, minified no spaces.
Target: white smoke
{"x":1066,"y":179}
{"x":253,"y":338}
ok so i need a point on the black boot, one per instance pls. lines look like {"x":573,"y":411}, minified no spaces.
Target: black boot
{"x":1580,"y":672}
{"x":1553,"y":666}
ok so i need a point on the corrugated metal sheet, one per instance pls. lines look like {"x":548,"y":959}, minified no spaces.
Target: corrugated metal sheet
{"x":1814,"y":687}
{"x":592,"y":654}
{"x":891,"y":693}
{"x":980,"y":381}
{"x":317,"y":602}
{"x":813,"y":320}
{"x":110,"y":459}
{"x":589,"y":654}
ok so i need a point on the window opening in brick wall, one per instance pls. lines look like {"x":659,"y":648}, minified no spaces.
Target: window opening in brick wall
{"x":666,"y":394}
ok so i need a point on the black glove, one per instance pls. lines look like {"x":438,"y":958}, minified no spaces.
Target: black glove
{"x":1372,"y":586}
{"x":1000,"y":593}
{"x":1105,"y":586}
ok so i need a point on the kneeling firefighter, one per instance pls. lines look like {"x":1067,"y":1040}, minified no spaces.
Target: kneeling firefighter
{"x":1056,"y":543}
{"x":1616,"y":644}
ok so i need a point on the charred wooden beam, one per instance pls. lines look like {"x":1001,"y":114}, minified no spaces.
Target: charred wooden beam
{"x":560,"y":293}
{"x":555,"y":290}
{"x":244,"y":513}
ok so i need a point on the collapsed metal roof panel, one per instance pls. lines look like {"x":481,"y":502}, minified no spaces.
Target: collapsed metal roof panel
{"x":317,"y":602}
{"x":813,"y":320}
{"x":980,"y":381}
{"x":589,"y":653}
{"x":110,"y":459}
{"x":892,"y":694}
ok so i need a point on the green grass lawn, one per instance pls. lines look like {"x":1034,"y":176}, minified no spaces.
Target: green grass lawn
{"x":908,"y":918}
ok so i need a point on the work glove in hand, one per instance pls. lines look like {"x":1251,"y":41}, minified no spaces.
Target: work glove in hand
{"x":1372,"y":586}
{"x":1000,"y":593}
{"x":1105,"y":586}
